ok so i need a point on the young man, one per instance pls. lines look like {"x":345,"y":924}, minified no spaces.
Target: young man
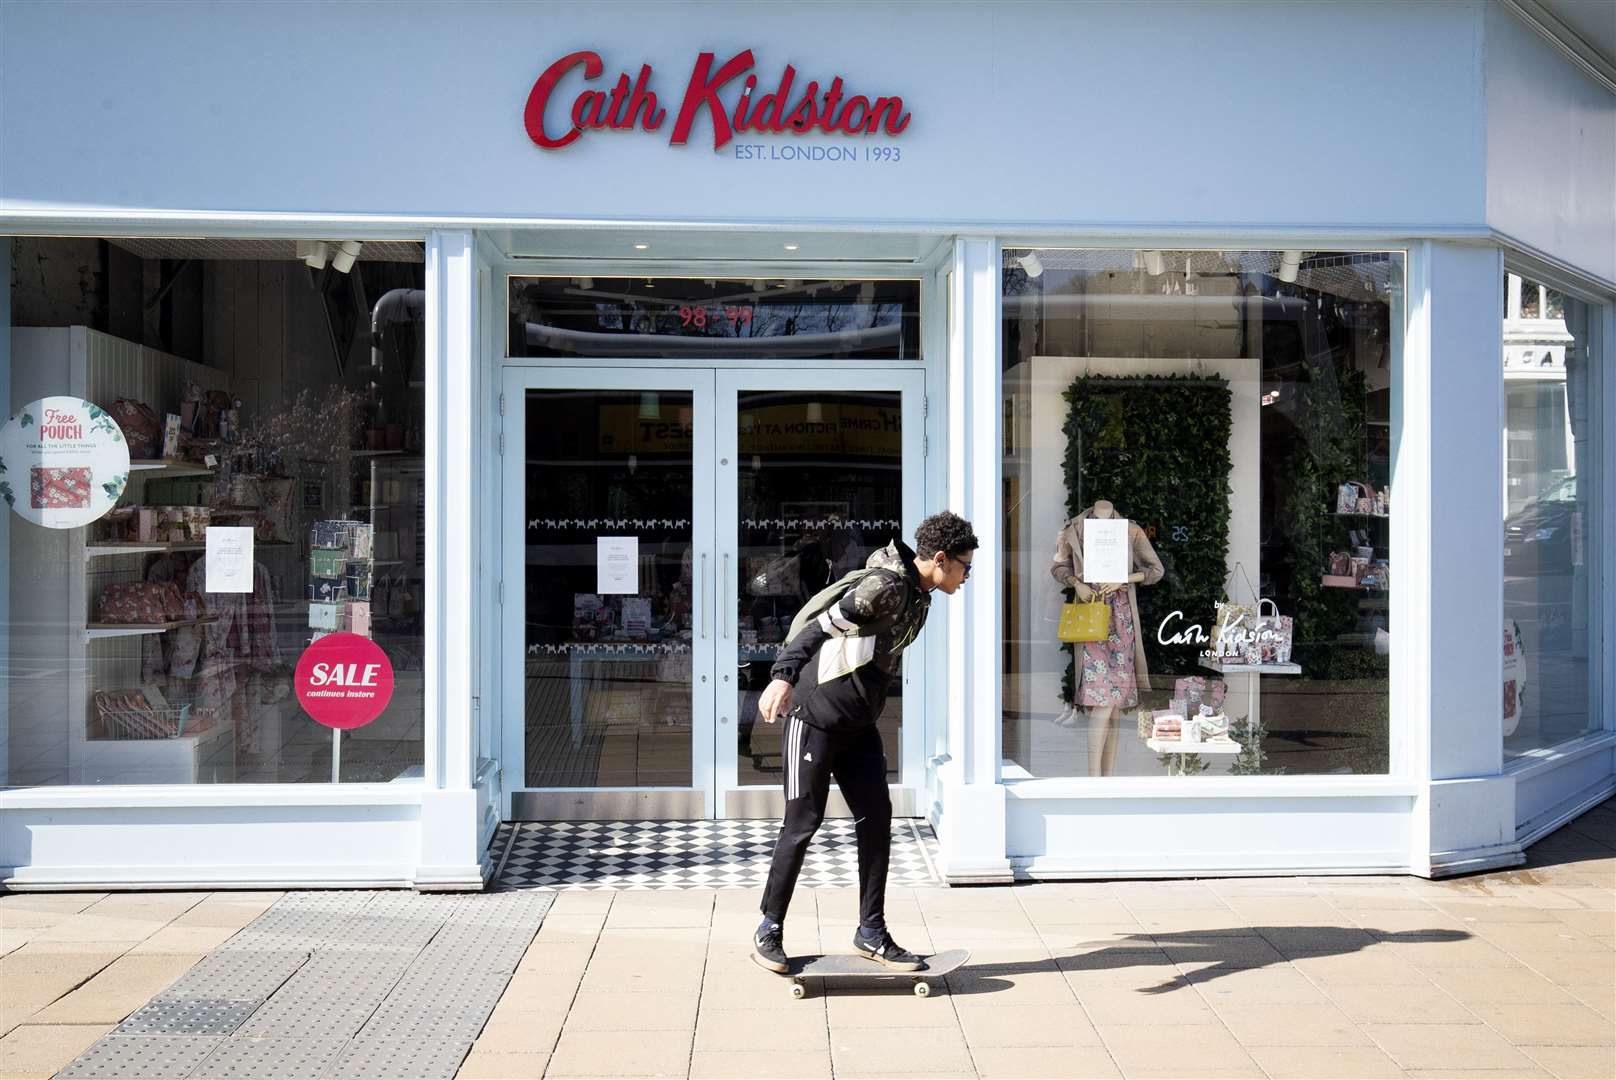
{"x":830,"y":683}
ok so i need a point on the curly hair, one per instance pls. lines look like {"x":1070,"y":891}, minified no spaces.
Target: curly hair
{"x":946,"y":532}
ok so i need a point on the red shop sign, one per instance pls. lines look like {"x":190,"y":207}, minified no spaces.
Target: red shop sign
{"x":630,"y":102}
{"x":344,"y":681}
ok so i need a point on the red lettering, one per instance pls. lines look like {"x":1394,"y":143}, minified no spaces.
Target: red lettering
{"x":847,"y":123}
{"x":741,"y":122}
{"x":589,"y":111}
{"x":892,"y":109}
{"x":539,"y":97}
{"x":703,"y":91}
{"x":644,"y":99}
{"x":770,"y":112}
{"x":632,"y":103}
{"x":827,"y":119}
{"x":614,"y":112}
{"x":802,"y":117}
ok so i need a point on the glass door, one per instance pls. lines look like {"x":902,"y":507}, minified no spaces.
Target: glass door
{"x":816,"y":471}
{"x":608,"y":584}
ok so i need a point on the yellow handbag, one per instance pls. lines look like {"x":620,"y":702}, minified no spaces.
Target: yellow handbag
{"x":1085,"y":622}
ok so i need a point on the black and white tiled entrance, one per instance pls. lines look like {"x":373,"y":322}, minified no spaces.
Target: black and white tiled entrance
{"x":692,"y":854}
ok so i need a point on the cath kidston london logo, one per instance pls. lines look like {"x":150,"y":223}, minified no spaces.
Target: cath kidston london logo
{"x":815,"y":108}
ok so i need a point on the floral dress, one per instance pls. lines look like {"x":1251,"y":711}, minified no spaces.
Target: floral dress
{"x":1106,"y":674}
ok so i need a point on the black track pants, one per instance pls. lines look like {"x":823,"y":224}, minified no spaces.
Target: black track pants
{"x":859,"y":763}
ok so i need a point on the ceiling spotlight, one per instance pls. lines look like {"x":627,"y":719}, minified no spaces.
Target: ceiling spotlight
{"x":1032,"y":264}
{"x":1155,"y":265}
{"x":815,"y":413}
{"x":1289,"y":263}
{"x":866,"y":293}
{"x":758,"y":284}
{"x":641,"y":247}
{"x":314,"y":253}
{"x":791,"y":247}
{"x":586,"y":283}
{"x":343,"y":260}
{"x":650,"y":407}
{"x":649,"y":284}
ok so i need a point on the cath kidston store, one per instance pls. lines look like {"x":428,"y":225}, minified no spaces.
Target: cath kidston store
{"x":373,"y":481}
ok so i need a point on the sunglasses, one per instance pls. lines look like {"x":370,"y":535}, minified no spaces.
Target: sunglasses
{"x":963,"y":562}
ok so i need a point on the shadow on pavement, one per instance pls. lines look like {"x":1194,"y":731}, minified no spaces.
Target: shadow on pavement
{"x":1226,"y":952}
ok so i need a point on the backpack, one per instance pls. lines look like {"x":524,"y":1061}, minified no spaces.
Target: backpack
{"x":822,"y":600}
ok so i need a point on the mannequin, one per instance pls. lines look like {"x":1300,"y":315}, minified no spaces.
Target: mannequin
{"x":1110,"y":673}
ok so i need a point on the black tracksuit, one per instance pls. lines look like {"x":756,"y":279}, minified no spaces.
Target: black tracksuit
{"x":842,"y":665}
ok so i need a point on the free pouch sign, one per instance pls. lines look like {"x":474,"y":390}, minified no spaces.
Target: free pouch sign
{"x":63,"y":462}
{"x":344,"y":681}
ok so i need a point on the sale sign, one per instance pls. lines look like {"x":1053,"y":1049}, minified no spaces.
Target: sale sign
{"x":344,"y":681}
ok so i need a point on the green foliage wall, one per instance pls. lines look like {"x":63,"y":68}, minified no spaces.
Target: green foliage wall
{"x":1158,"y":448}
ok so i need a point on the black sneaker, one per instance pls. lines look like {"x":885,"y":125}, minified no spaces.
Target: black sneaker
{"x":883,"y":950}
{"x":768,"y":948}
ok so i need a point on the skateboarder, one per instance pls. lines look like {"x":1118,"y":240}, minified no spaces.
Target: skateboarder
{"x":830,"y":682}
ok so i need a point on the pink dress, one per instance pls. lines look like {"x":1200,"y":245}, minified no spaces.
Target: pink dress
{"x":1106,"y":668}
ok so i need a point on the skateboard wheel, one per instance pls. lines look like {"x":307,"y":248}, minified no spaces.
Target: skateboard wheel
{"x":922,"y":988}
{"x":799,"y":991}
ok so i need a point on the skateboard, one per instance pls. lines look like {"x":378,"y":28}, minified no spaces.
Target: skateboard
{"x":849,"y":965}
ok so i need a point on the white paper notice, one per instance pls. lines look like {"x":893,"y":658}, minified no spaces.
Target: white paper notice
{"x":230,"y":560}
{"x":1105,"y":550}
{"x":617,"y":565}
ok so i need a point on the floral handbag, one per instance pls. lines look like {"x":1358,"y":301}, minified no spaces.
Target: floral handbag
{"x":1085,"y":622}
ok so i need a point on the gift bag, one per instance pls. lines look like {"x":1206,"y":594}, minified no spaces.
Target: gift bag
{"x":1354,"y":498}
{"x":1085,"y":622}
{"x":1270,"y":639}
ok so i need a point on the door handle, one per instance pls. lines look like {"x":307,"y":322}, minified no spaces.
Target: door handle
{"x":706,"y":601}
{"x":729,"y":599}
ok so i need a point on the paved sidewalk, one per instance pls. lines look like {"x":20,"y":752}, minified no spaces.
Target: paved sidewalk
{"x":1500,"y":975}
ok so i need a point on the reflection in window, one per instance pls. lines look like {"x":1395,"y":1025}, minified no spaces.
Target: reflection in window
{"x":711,"y":318}
{"x":1550,"y":525}
{"x":1198,"y":511}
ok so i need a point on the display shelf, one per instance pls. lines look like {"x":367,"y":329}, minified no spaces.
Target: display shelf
{"x":170,"y":467}
{"x":108,"y":630}
{"x":1329,"y":584}
{"x":1178,"y":746}
{"x":1252,"y":669}
{"x":139,"y":547}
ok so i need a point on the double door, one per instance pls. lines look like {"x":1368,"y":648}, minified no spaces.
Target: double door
{"x":661,"y":528}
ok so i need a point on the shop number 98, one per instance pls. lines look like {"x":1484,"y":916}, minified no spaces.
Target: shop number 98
{"x":699,"y":317}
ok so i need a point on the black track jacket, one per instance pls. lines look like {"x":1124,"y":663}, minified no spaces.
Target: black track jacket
{"x":843,"y":663}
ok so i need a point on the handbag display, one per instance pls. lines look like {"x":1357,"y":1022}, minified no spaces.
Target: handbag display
{"x":141,"y":426}
{"x":1085,"y":622}
{"x":1355,"y":497}
{"x":1270,"y":639}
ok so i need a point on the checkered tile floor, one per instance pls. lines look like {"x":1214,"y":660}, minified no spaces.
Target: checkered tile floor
{"x":692,"y":854}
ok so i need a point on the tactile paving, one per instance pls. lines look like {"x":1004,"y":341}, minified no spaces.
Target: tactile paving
{"x":188,"y":1016}
{"x":140,"y":1057}
{"x":270,"y":1059}
{"x":390,"y":1059}
{"x":367,"y":966}
{"x":231,"y":975}
{"x":376,"y":984}
{"x":337,"y":1013}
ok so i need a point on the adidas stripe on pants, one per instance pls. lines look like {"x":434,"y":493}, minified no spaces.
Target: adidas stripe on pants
{"x":858,"y":761}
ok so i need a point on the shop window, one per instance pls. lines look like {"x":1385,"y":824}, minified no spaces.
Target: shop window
{"x":214,"y":524}
{"x":1551,"y":578}
{"x":709,"y":319}
{"x":1198,"y":500}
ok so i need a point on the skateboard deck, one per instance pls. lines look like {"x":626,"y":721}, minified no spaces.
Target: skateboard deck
{"x":850,"y":965}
